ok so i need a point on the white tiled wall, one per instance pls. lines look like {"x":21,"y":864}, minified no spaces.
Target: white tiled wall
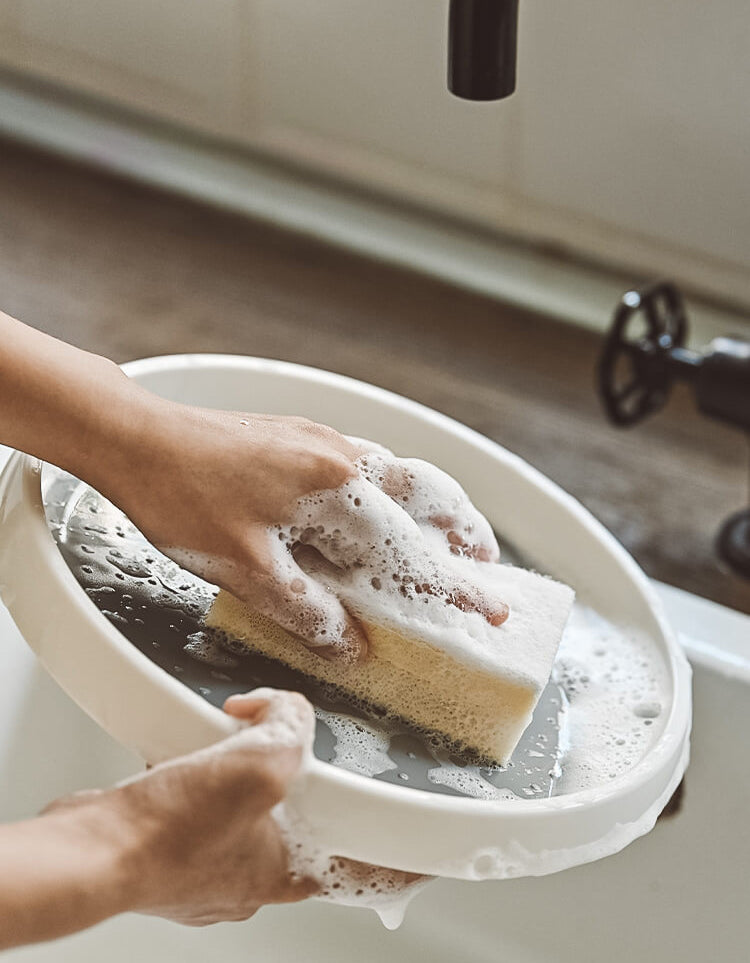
{"x":628,"y":139}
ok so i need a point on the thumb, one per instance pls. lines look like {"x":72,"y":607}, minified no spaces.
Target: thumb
{"x":248,"y":707}
{"x":275,"y":718}
{"x":307,"y":609}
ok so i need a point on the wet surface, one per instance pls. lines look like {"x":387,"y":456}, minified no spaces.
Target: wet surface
{"x":160,"y":608}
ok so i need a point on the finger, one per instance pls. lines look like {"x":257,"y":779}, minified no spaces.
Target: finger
{"x":316,"y":565}
{"x":275,"y":715}
{"x":465,"y":597}
{"x":370,"y":528}
{"x":269,"y":754}
{"x":432,"y":498}
{"x":247,"y":706}
{"x":471,"y":600}
{"x":442,"y":503}
{"x":312,"y":613}
{"x":298,"y":888}
{"x":468,"y":539}
{"x":365,"y":872}
{"x":364,"y":522}
{"x":363,"y":445}
{"x":385,"y":471}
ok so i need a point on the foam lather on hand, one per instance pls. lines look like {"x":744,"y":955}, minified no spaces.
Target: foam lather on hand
{"x":438,"y":657}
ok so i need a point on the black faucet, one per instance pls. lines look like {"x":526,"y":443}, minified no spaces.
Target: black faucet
{"x":482,"y":45}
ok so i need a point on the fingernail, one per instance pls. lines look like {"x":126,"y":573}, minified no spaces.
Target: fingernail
{"x":242,"y":703}
{"x":499,"y":615}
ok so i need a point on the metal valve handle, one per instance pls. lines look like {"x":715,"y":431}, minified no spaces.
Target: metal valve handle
{"x":636,"y":369}
{"x":644,"y":354}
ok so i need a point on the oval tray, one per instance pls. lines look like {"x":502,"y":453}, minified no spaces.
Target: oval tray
{"x":158,"y":716}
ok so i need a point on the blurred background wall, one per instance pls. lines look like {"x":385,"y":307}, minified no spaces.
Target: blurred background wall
{"x":627,"y":143}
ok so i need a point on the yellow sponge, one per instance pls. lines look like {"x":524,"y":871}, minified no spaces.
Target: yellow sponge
{"x":476,"y":689}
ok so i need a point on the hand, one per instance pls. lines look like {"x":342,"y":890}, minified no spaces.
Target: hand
{"x":207,"y":488}
{"x":214,"y":490}
{"x":202,"y":845}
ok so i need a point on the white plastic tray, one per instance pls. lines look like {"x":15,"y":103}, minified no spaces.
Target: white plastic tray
{"x":149,"y":711}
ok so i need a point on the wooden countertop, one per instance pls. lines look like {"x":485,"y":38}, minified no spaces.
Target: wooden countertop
{"x":126,"y":271}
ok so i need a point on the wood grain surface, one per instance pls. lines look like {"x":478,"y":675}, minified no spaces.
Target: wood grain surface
{"x":126,"y":271}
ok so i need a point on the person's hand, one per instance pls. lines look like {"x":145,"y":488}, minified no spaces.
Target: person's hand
{"x":198,"y":840}
{"x":218,"y":491}
{"x":202,"y":845}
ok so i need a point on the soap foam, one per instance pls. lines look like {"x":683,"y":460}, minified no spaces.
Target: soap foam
{"x":612,"y":691}
{"x":467,"y":781}
{"x":617,"y":686}
{"x":205,"y":647}
{"x":288,"y":721}
{"x":617,"y":693}
{"x":617,"y":690}
{"x":343,"y":881}
{"x":615,"y":679}
{"x":400,"y":543}
{"x":359,"y":747}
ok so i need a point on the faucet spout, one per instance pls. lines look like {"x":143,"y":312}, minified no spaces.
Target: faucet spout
{"x":482,"y":45}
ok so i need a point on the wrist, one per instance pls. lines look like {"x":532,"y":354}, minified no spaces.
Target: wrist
{"x":110,"y":843}
{"x":113,"y":434}
{"x":142,"y":854}
{"x":65,"y":870}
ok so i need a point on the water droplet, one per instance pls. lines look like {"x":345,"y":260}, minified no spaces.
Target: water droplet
{"x":647,"y":710}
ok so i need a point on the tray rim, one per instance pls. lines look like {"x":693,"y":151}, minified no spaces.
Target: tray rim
{"x":654,"y":776}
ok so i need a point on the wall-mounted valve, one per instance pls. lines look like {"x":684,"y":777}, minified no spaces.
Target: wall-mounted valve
{"x":644,"y":354}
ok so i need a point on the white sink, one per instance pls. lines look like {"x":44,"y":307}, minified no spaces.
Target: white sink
{"x":679,"y":893}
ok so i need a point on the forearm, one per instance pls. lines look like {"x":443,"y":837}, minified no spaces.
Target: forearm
{"x":63,"y":872}
{"x":62,"y":404}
